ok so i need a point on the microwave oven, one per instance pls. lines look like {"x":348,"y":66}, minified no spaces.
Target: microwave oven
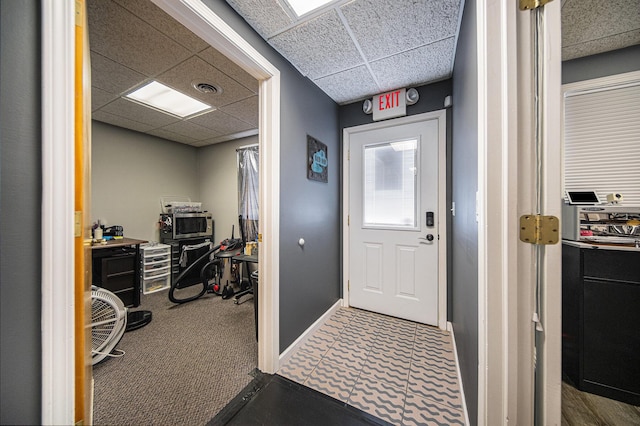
{"x":177,"y":226}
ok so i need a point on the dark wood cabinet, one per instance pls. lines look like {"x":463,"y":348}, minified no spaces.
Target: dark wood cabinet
{"x":115,"y":267}
{"x":601,"y":321}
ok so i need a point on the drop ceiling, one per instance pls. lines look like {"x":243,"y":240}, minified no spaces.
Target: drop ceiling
{"x":351,"y":49}
{"x":133,"y":42}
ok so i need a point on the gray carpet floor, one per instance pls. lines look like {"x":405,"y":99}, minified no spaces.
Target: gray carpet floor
{"x":182,"y":368}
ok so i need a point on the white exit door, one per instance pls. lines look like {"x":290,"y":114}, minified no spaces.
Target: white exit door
{"x":395,"y":221}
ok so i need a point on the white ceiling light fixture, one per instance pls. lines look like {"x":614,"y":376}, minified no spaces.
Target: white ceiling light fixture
{"x":300,"y":7}
{"x":166,"y":99}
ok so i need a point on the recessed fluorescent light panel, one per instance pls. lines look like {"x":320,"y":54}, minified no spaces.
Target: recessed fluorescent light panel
{"x":300,"y":7}
{"x":166,"y":99}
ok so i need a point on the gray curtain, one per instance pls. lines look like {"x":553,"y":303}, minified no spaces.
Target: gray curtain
{"x":248,"y":160}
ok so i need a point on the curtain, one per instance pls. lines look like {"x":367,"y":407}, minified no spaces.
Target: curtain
{"x":248,"y":190}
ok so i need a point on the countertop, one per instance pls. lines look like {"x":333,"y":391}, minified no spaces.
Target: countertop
{"x":121,"y":242}
{"x":602,"y":246}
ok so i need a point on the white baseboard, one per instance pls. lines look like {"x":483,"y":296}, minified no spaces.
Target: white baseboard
{"x":284,"y":356}
{"x":91,"y":400}
{"x":455,"y":353}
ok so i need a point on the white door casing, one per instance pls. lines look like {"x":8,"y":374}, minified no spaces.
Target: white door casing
{"x":57,"y":265}
{"x":202,"y":21}
{"x":390,"y":266}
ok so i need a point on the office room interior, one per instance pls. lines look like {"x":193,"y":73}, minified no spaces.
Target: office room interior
{"x":139,"y":160}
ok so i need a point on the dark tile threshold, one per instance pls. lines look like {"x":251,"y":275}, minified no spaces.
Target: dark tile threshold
{"x":275,"y":400}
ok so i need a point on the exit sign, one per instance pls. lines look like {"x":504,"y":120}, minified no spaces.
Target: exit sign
{"x":390,"y":105}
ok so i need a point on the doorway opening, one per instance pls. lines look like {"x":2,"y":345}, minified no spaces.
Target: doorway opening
{"x":426,"y":232}
{"x":206,"y":24}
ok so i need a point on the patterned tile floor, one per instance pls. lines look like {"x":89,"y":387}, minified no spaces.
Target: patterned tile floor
{"x":396,"y":370}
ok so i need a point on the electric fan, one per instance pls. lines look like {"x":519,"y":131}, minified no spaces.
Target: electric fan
{"x":108,"y":323}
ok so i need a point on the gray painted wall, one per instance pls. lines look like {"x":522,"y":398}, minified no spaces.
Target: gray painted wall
{"x":431,"y":99}
{"x":20,"y":206}
{"x":601,"y":65}
{"x":218,"y":180}
{"x":309,"y":278}
{"x":130,"y":171}
{"x":465,"y":229}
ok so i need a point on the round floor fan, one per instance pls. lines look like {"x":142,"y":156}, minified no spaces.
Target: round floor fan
{"x":108,"y":323}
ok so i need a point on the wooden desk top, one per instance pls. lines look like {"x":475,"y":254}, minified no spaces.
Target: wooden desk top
{"x":117,"y":243}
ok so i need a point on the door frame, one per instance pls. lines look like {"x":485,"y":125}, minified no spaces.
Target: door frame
{"x":58,"y":286}
{"x":441,"y":117}
{"x":58,"y":49}
{"x":507,"y":391}
{"x":203,"y":22}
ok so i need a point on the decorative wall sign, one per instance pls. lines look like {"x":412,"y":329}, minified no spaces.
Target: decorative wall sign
{"x":317,"y":160}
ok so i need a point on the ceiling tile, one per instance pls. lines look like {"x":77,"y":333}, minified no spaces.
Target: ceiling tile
{"x":265,"y":16}
{"x":418,"y":66}
{"x":229,"y":67}
{"x":348,"y":85}
{"x":590,"y":20}
{"x":223,"y":123}
{"x":159,"y":19}
{"x":136,"y":112}
{"x":192,"y":130}
{"x":119,"y":35}
{"x":196,"y":69}
{"x":319,"y":47}
{"x":100,"y":98}
{"x":386,"y":27}
{"x":111,"y":76}
{"x":165,"y":134}
{"x":614,"y":42}
{"x":246,"y":110}
{"x":119,"y":121}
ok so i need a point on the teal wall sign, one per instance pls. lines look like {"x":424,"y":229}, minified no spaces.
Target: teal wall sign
{"x":317,"y":160}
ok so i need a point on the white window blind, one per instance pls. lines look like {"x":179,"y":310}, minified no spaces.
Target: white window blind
{"x":602,"y":141}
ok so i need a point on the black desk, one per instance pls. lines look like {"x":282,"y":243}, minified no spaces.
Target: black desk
{"x":246,"y":259}
{"x":116,"y":267}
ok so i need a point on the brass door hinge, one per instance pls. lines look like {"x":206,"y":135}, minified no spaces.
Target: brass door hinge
{"x":532,"y":4}
{"x":538,"y":229}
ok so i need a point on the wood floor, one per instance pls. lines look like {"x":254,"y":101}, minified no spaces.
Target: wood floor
{"x":585,"y":409}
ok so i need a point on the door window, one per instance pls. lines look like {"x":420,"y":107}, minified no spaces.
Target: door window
{"x":390,"y":185}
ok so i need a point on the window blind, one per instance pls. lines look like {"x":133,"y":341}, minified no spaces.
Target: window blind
{"x":602,"y":141}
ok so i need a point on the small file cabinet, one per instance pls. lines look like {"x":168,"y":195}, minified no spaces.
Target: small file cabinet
{"x":115,"y":268}
{"x":155,"y":267}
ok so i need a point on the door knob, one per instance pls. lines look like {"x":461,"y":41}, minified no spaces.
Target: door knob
{"x":429,"y":238}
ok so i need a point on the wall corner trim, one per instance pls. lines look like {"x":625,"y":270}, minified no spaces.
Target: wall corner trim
{"x":455,"y":355}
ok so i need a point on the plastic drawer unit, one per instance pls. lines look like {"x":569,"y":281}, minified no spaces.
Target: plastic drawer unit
{"x":155,"y":268}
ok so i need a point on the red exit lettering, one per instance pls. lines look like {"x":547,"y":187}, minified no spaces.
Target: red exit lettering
{"x":389,"y":100}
